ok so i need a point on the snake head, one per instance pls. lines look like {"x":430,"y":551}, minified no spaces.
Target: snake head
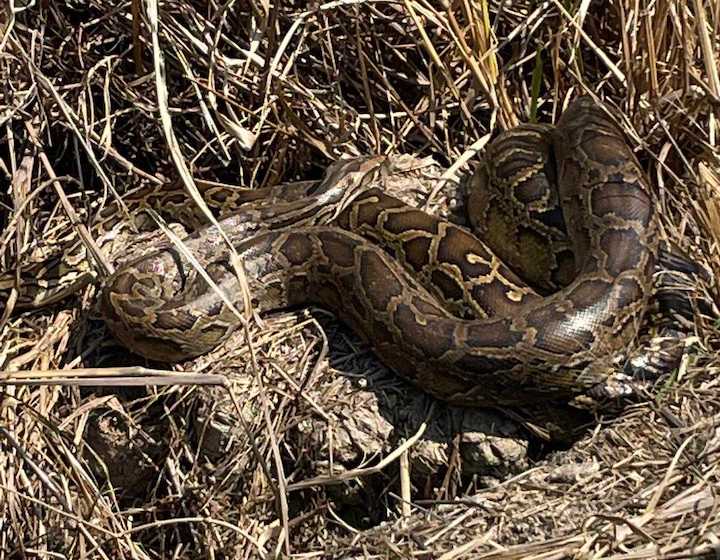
{"x":360,"y":171}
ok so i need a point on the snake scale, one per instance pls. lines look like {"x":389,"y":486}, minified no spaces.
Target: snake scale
{"x":434,"y":302}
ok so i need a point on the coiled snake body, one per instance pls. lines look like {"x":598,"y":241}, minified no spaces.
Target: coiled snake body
{"x":410,"y":289}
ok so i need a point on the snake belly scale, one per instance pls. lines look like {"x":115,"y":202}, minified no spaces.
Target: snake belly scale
{"x":402,"y":279}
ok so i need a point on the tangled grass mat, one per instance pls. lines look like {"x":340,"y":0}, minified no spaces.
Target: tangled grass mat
{"x":292,"y":440}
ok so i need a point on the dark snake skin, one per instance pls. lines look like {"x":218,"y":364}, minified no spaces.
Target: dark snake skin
{"x":518,"y":347}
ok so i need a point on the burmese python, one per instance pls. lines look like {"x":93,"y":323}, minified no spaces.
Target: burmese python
{"x":412,"y":297}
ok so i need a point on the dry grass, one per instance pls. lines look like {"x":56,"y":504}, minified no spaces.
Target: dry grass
{"x":278,"y":459}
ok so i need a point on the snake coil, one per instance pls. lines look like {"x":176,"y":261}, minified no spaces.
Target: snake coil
{"x":404,"y":296}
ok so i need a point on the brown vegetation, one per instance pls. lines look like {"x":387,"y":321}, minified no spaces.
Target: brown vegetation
{"x":261,"y":448}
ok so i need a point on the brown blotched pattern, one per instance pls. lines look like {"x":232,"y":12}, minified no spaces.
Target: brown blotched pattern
{"x":397,"y":275}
